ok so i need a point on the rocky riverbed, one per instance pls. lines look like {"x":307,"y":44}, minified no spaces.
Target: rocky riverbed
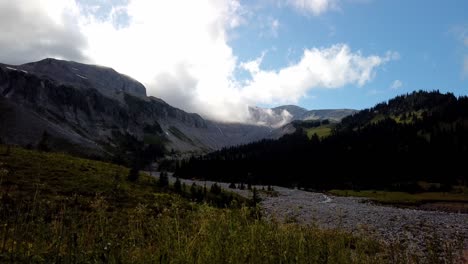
{"x":415,"y":228}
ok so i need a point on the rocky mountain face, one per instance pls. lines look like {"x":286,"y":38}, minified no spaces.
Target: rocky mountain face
{"x":282,"y":115}
{"x":85,"y":108}
{"x":82,"y":108}
{"x":106,"y":80}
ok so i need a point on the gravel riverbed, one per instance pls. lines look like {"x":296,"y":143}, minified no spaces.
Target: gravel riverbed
{"x":357,"y":215}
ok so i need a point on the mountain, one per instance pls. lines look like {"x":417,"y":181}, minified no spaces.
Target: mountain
{"x":299,"y":113}
{"x":408,"y":143}
{"x":282,"y":115}
{"x":106,"y":80}
{"x":295,"y":111}
{"x":90,"y":110}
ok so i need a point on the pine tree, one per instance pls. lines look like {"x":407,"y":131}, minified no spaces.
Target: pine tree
{"x":7,"y":151}
{"x":255,"y":197}
{"x":43,"y":144}
{"x":193,"y":190}
{"x":163,"y":179}
{"x":215,"y":189}
{"x":134,"y":174}
{"x":177,"y":185}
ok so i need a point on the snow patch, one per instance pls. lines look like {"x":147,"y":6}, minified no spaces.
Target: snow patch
{"x":82,"y":77}
{"x":10,"y":68}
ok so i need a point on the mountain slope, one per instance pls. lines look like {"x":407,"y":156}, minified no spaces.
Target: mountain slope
{"x":299,"y":113}
{"x":58,"y":208}
{"x":86,"y":115}
{"x":334,"y":115}
{"x":418,"y":137}
{"x":106,"y":80}
{"x":282,"y":115}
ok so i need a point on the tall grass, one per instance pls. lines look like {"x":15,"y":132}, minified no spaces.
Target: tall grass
{"x":47,"y":216}
{"x":202,"y":234}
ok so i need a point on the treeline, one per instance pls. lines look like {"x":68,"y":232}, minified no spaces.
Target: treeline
{"x":214,"y":195}
{"x":421,"y":136}
{"x":128,"y":151}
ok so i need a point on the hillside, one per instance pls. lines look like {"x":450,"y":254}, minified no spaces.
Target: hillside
{"x":285,"y":114}
{"x":106,"y":80}
{"x":56,"y":208}
{"x":85,"y":109}
{"x":412,"y":138}
{"x":88,"y":109}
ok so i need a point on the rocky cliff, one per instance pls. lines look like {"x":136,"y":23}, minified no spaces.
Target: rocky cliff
{"x":84,"y":115}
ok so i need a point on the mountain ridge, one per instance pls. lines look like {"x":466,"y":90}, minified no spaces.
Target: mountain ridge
{"x":34,"y":101}
{"x":282,"y":115}
{"x":413,"y":138}
{"x":84,"y":107}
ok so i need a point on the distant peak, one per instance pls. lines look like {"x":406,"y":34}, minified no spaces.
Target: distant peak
{"x":295,"y":107}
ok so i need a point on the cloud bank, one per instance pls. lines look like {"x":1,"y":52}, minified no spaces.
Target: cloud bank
{"x":32,"y":30}
{"x":180,"y":50}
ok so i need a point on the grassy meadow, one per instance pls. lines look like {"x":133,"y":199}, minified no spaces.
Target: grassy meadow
{"x":321,"y":131}
{"x":455,"y":201}
{"x":60,"y":209}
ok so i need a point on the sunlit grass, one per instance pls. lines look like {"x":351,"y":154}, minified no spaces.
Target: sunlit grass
{"x":403,"y":197}
{"x":321,"y":131}
{"x":59,"y":209}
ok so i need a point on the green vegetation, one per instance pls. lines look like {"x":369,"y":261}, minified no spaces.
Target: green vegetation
{"x":422,"y":136}
{"x":321,"y":131}
{"x":403,"y":197}
{"x":404,"y":118}
{"x":56,"y":208}
{"x":450,"y":201}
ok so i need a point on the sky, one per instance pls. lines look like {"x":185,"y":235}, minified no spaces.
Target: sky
{"x":217,"y":57}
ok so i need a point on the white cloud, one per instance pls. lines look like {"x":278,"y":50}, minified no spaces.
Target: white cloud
{"x":32,"y":30}
{"x":316,"y":7}
{"x":253,"y":66}
{"x":396,"y":84}
{"x":331,"y":67}
{"x":179,"y":49}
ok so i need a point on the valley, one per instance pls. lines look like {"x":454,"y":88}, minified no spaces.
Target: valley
{"x":58,"y":208}
{"x":233,"y":131}
{"x":413,"y":229}
{"x":85,"y":109}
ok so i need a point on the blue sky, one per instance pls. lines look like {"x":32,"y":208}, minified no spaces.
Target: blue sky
{"x":218,"y":57}
{"x":428,"y":35}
